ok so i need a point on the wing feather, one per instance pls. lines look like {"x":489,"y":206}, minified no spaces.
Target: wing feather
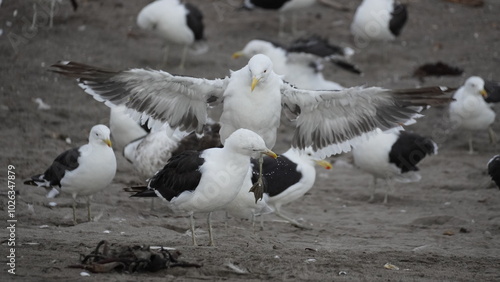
{"x":333,"y":121}
{"x":180,"y":101}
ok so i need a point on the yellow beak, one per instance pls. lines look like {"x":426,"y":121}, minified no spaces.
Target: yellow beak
{"x":236,"y":55}
{"x":108,"y":142}
{"x":483,"y":93}
{"x":324,"y":164}
{"x":254,"y":83}
{"x":270,"y":153}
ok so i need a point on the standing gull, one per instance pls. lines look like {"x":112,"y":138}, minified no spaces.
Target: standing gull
{"x":393,"y":156}
{"x":319,"y":47}
{"x":297,"y":64}
{"x":379,"y":20}
{"x":206,"y":181}
{"x":81,"y":171}
{"x":327,"y":121}
{"x":470,"y":111}
{"x":175,"y":22}
{"x":288,"y":178}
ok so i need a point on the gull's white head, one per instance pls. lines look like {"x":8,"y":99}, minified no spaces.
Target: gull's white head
{"x":100,"y":135}
{"x":307,"y":155}
{"x":260,"y":67}
{"x":247,"y":143}
{"x":475,"y":86}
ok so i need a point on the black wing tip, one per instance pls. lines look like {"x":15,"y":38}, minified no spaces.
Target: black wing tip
{"x":347,"y":66}
{"x":140,"y":191}
{"x":431,"y":90}
{"x":30,"y":182}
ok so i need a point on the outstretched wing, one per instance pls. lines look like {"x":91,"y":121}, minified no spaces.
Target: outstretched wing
{"x":332,"y":121}
{"x":180,"y":101}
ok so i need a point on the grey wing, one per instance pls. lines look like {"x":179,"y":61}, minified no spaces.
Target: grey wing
{"x":180,"y":101}
{"x":332,"y":121}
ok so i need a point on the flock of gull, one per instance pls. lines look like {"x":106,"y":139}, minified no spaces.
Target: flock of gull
{"x":198,"y":165}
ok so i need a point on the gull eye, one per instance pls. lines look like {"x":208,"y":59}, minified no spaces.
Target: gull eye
{"x":265,"y":71}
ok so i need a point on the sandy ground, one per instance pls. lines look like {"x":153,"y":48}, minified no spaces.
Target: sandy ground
{"x":444,"y":228}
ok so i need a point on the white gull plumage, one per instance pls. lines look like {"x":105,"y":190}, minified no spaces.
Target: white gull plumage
{"x":300,"y":69}
{"x":177,"y":23}
{"x":392,"y":156}
{"x":123,"y":128}
{"x":378,"y":20}
{"x":208,"y":180}
{"x":81,"y":171}
{"x":470,"y":111}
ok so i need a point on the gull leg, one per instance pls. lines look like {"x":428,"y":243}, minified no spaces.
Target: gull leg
{"x":291,"y":220}
{"x":281,"y":32}
{"x":35,"y":14}
{"x":258,"y":188}
{"x":226,"y":219}
{"x":253,"y":222}
{"x":493,"y":136}
{"x":471,"y":150}
{"x":74,"y":209}
{"x":387,"y":190}
{"x":88,"y":209}
{"x":374,"y":185}
{"x":294,"y":23}
{"x":152,"y":206}
{"x":183,"y":58}
{"x":52,"y":5}
{"x":191,"y":222}
{"x":210,"y":233}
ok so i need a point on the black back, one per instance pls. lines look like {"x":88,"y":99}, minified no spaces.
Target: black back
{"x":494,"y":169}
{"x":399,"y":16}
{"x":320,"y":47}
{"x":210,"y":139}
{"x":409,"y":149}
{"x":181,"y":173}
{"x":269,"y":4}
{"x":278,"y":174}
{"x":194,"y":20}
{"x":315,"y":45}
{"x":493,"y":90}
{"x":66,"y":161}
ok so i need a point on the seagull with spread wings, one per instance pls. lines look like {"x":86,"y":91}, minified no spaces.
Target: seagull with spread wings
{"x":328,"y":121}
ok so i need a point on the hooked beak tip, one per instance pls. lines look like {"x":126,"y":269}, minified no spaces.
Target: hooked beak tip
{"x":324,"y":164}
{"x":108,"y":142}
{"x":483,"y":93}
